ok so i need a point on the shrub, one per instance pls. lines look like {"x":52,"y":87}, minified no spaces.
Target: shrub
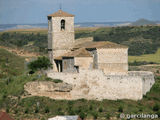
{"x":7,"y":110}
{"x":70,"y":103}
{"x":100,"y":109}
{"x":36,"y":110}
{"x":26,"y":110}
{"x":43,"y":119}
{"x":82,"y":115}
{"x":31,"y":72}
{"x":71,"y":112}
{"x":47,"y":109}
{"x":95,"y":115}
{"x":57,"y":81}
{"x":49,"y":79}
{"x":15,"y":111}
{"x":108,"y":116}
{"x":90,"y":107}
{"x":120,"y":109}
{"x":39,"y":64}
{"x":140,"y":109}
{"x":158,"y":113}
{"x":156,"y":107}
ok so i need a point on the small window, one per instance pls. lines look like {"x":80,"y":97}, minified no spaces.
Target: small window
{"x":62,"y":24}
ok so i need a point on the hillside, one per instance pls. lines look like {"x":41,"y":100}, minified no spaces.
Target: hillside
{"x":140,"y":39}
{"x":141,"y":22}
{"x":14,"y":99}
{"x":10,"y":64}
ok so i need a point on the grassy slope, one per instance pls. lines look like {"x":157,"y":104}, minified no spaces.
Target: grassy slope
{"x":10,"y":64}
{"x":148,"y":57}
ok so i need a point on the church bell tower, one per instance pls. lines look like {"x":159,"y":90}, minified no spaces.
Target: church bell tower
{"x":60,"y":33}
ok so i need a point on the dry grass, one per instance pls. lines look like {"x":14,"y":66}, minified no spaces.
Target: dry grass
{"x":33,"y":30}
{"x":148,"y":58}
{"x":44,"y":30}
{"x":79,"y":29}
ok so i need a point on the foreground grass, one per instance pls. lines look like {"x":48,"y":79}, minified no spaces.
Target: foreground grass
{"x":10,"y":64}
{"x":148,"y":58}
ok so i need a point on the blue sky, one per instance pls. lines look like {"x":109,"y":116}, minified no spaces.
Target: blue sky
{"x":35,"y":11}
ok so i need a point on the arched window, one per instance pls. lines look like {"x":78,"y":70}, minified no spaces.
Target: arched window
{"x":62,"y":24}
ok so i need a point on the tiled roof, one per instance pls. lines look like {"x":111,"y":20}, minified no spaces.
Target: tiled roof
{"x":99,"y":45}
{"x":5,"y":116}
{"x":60,"y":13}
{"x":77,"y":53}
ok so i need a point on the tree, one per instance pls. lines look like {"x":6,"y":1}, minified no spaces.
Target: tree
{"x":39,"y":64}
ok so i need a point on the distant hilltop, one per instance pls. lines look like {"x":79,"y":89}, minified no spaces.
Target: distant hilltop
{"x":82,"y":24}
{"x":143,"y":22}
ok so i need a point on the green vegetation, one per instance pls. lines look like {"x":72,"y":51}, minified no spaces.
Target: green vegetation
{"x":10,"y":64}
{"x":140,"y":39}
{"x":147,"y":58}
{"x":42,"y":63}
{"x":33,"y":42}
{"x":14,"y":75}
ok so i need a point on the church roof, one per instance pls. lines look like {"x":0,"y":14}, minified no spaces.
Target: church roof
{"x":77,"y":53}
{"x":97,"y":45}
{"x":60,"y":13}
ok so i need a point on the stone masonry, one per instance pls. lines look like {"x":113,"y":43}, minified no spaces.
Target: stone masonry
{"x":96,"y":70}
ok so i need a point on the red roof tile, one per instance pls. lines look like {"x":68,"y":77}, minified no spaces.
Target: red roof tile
{"x":5,"y":116}
{"x":60,"y":13}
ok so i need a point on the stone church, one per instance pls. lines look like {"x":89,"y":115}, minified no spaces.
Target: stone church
{"x":70,"y":55}
{"x":95,"y":70}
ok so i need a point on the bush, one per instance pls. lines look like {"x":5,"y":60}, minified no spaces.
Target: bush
{"x":43,"y":119}
{"x":31,"y":72}
{"x":156,"y":107}
{"x":36,"y":110}
{"x":47,"y":109}
{"x":158,"y":113}
{"x":26,"y":110}
{"x":57,"y":81}
{"x":120,"y":109}
{"x":82,"y":115}
{"x":90,"y":107}
{"x":100,"y":109}
{"x":95,"y":115}
{"x":108,"y":116}
{"x":138,"y":63}
{"x":7,"y":110}
{"x":39,"y":64}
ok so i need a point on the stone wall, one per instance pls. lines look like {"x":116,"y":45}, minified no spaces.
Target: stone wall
{"x":83,"y":62}
{"x":113,"y":60}
{"x":94,"y":84}
{"x":147,"y":79}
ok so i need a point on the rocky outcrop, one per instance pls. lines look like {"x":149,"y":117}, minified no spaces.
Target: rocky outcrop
{"x":47,"y":88}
